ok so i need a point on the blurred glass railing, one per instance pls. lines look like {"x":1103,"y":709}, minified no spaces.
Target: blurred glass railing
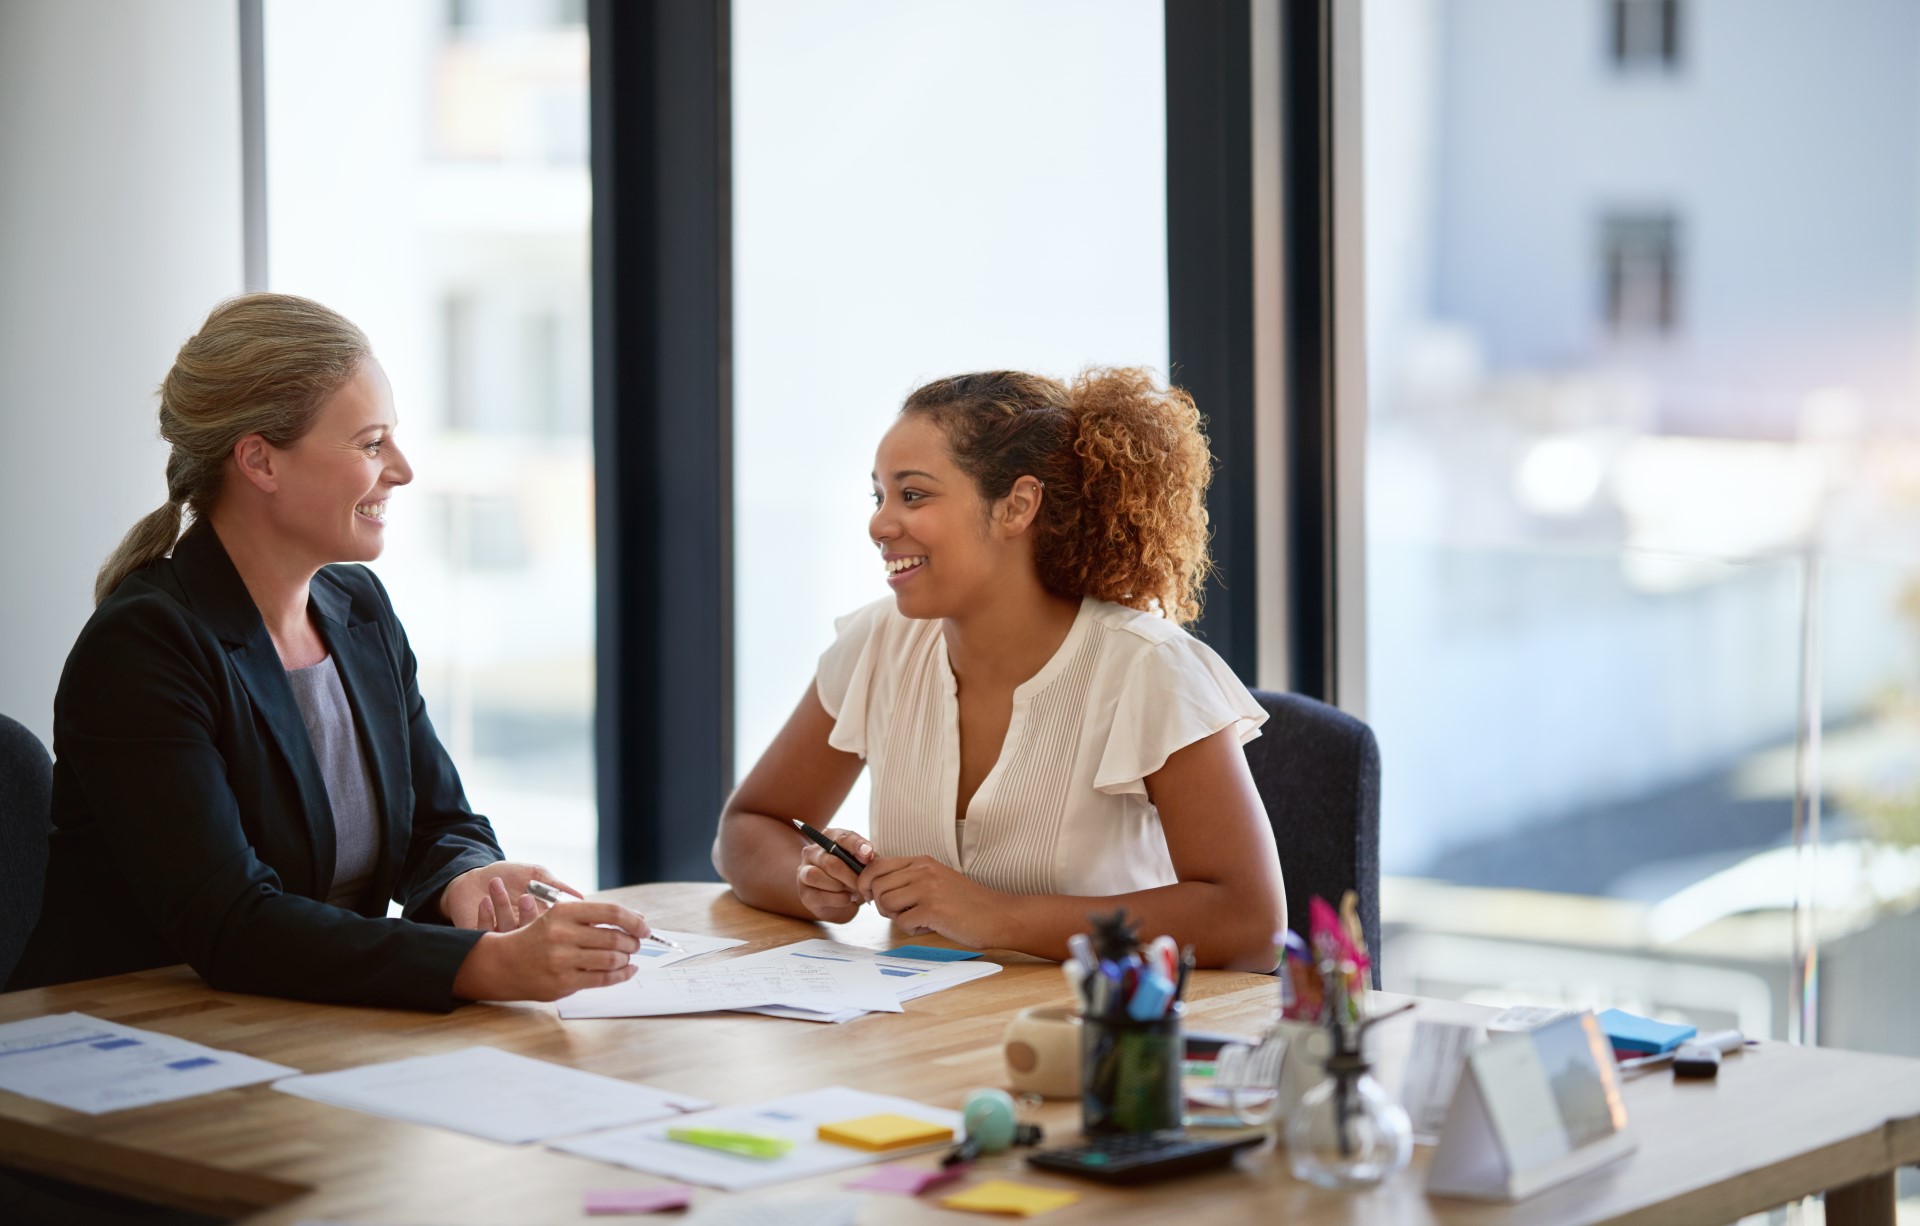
{"x":1682,"y":785}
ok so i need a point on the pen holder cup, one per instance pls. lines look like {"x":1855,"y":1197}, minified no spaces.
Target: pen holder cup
{"x":1130,"y":1074}
{"x":1043,"y":1052}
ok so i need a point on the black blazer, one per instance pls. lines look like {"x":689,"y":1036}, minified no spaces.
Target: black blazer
{"x":190,"y":819}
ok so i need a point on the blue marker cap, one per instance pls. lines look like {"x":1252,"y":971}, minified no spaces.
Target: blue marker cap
{"x":1151,"y":998}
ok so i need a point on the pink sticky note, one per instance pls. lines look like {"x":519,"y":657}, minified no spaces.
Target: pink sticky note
{"x":639,"y":1200}
{"x":907,"y":1180}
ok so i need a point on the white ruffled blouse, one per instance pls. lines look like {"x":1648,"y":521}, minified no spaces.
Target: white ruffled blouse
{"x":1064,"y":809}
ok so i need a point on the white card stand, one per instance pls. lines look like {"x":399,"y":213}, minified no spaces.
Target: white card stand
{"x":1439,"y":1053}
{"x":1532,"y":1111}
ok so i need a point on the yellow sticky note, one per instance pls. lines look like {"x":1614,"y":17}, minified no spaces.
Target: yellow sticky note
{"x":880,"y":1132}
{"x":1005,"y":1196}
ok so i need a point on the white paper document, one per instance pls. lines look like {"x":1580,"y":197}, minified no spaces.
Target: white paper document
{"x":908,"y":978}
{"x":650,"y":956}
{"x":823,"y":986}
{"x":796,"y":1118}
{"x":489,"y":1093}
{"x":84,"y":1064}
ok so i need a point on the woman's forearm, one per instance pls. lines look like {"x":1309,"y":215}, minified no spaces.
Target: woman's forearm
{"x":760,"y":860}
{"x":1226,"y":929}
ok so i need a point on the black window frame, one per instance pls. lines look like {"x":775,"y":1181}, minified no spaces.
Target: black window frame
{"x":662,"y":427}
{"x":661,"y":262}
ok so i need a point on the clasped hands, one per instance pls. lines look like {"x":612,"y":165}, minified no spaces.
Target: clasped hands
{"x":918,"y":893}
{"x":531,"y":950}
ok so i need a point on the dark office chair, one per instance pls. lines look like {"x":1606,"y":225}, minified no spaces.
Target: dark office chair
{"x":26,"y":821}
{"x":1318,"y":771}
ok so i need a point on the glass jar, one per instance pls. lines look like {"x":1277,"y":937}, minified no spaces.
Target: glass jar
{"x":1348,"y":1132}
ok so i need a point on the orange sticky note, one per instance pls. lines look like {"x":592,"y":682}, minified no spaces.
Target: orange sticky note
{"x":883,"y":1132}
{"x":1006,"y":1196}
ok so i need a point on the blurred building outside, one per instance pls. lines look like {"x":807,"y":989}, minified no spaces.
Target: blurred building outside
{"x":427,"y":177}
{"x":1644,"y":345}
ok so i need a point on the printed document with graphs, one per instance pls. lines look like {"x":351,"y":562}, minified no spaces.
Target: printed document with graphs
{"x":908,"y":977}
{"x":818,"y":985}
{"x":86,"y":1064}
{"x":816,"y":981}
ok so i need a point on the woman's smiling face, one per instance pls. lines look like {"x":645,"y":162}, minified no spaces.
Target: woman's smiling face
{"x":334,"y":481}
{"x":930,"y":523}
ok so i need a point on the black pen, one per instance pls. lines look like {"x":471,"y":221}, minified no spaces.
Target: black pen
{"x":547,"y":894}
{"x":829,"y":846}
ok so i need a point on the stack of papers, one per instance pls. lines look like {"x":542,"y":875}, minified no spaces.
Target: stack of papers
{"x":796,"y":1118}
{"x":692,"y":945}
{"x":907,"y":977}
{"x":812,"y":986}
{"x":84,"y":1064}
{"x":486,"y":1092}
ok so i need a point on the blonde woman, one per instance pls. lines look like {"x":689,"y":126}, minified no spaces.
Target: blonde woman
{"x":1045,"y":738}
{"x":244,"y":769}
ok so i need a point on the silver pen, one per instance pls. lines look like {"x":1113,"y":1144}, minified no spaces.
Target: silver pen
{"x":547,"y":894}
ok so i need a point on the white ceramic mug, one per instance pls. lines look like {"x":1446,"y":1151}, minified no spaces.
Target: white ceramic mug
{"x":1043,"y":1051}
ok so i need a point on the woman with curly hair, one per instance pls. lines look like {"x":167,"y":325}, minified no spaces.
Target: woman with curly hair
{"x":1045,"y":738}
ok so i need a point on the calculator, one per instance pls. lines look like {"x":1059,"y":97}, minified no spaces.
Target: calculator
{"x":1143,"y":1157}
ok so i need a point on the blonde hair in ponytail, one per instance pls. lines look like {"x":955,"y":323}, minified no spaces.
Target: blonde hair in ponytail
{"x":261,"y":364}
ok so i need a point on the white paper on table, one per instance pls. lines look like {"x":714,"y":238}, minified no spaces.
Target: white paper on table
{"x":650,"y":956}
{"x":84,"y":1064}
{"x":796,"y":1118}
{"x":910,"y":977}
{"x":825,"y":986}
{"x":489,"y":1093}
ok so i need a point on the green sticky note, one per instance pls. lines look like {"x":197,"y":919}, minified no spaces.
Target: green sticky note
{"x":745,"y":1144}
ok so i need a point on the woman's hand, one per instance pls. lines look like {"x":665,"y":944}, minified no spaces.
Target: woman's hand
{"x":470,"y":900}
{"x":565,"y":948}
{"x":923,"y":895}
{"x":828,"y":888}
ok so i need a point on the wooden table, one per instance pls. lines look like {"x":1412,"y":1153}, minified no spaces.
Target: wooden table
{"x":1780,"y":1122}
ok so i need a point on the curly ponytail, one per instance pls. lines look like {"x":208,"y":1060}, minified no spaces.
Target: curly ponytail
{"x":261,"y":364}
{"x":1124,"y":466}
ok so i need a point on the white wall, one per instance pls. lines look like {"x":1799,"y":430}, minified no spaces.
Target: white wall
{"x":119,"y":229}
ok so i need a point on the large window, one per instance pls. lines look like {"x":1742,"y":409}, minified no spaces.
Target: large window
{"x":427,"y":177}
{"x":1644,"y":365}
{"x":919,"y":190}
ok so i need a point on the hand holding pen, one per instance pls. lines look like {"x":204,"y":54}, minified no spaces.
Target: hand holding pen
{"x":547,"y":894}
{"x":559,"y":951}
{"x":828,"y":878}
